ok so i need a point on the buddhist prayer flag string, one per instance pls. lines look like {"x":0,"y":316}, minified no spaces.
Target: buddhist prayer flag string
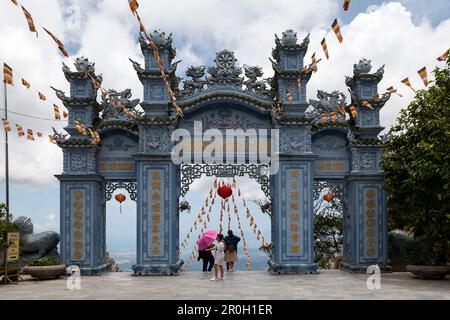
{"x":423,"y":75}
{"x":346,"y":5}
{"x":407,"y":83}
{"x":353,"y":111}
{"x":7,"y":75}
{"x":325,"y":48}
{"x":29,"y":21}
{"x":15,"y":2}
{"x":337,"y":30}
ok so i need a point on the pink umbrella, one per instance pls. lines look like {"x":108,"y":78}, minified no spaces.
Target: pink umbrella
{"x":207,"y":239}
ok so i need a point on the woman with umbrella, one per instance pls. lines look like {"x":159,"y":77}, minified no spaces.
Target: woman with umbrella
{"x":205,"y":242}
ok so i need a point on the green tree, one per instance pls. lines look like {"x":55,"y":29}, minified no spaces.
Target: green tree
{"x":417,"y":167}
{"x":5,"y":226}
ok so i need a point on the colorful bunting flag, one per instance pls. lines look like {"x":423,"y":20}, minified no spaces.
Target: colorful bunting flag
{"x":52,"y":139}
{"x":376,"y":96}
{"x":324,"y":117}
{"x":314,"y":62}
{"x":30,"y":135}
{"x":346,"y":4}
{"x":392,"y":90}
{"x":26,"y":83}
{"x":289,"y":96}
{"x":367,"y":104}
{"x":353,"y":111}
{"x":57,"y":113}
{"x":134,"y":5}
{"x":444,"y":56}
{"x":65,"y":114}
{"x":292,"y":86}
{"x":342,"y":110}
{"x":39,"y":134}
{"x":337,"y":30}
{"x":29,"y":21}
{"x":6,"y":125}
{"x":41,"y":96}
{"x":299,"y":84}
{"x":15,"y":2}
{"x":333,"y":116}
{"x":406,"y":82}
{"x":423,"y":74}
{"x":7,"y":75}
{"x":19,"y":131}
{"x":325,"y":48}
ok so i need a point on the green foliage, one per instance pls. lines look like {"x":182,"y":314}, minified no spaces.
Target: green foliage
{"x":6,"y":226}
{"x":328,"y":231}
{"x":417,"y":167}
{"x":44,"y":262}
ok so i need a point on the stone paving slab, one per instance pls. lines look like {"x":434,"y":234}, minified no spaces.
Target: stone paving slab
{"x":329,"y":284}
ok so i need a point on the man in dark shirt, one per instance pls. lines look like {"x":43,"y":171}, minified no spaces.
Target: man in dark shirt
{"x":231,"y":242}
{"x":207,"y":257}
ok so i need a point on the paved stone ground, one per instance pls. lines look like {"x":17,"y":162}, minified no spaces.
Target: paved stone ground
{"x":330,"y":284}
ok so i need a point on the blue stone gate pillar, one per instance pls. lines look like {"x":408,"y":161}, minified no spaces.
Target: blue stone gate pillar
{"x":157,"y":217}
{"x":292,"y":203}
{"x":365,"y":224}
{"x":82,"y":222}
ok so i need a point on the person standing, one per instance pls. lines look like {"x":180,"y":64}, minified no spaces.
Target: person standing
{"x":231,"y":242}
{"x":220,"y":256}
{"x":207,"y":257}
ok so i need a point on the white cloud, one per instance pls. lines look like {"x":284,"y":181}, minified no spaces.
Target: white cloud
{"x":51,"y":222}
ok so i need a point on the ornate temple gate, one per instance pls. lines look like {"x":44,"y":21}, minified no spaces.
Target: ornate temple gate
{"x":136,"y":154}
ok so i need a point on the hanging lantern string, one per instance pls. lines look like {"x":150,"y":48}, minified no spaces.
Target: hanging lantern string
{"x":249,"y":216}
{"x":243,"y":237}
{"x":194,"y":252}
{"x":199,"y":220}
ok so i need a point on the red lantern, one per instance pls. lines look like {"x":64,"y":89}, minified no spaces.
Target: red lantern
{"x":225,"y":191}
{"x":328,"y":197}
{"x":120,"y":198}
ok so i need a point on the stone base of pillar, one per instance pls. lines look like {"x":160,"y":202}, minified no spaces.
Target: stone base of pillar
{"x":276,"y":268}
{"x":96,"y":271}
{"x":157,"y":269}
{"x":362,"y":269}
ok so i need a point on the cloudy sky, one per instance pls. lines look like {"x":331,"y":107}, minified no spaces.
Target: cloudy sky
{"x":404,"y":35}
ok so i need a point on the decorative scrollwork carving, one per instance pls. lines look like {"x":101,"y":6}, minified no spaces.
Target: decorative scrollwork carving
{"x":189,"y":173}
{"x":131,"y":188}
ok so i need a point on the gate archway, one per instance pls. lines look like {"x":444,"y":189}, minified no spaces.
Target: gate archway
{"x":323,"y":139}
